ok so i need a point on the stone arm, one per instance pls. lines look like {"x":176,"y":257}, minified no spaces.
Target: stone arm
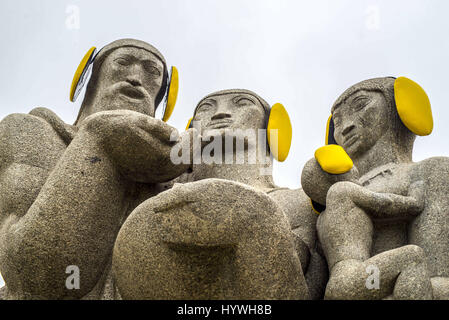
{"x":78,"y":211}
{"x":208,"y":216}
{"x":388,"y":205}
{"x":296,"y":205}
{"x":316,"y":182}
{"x":72,"y":222}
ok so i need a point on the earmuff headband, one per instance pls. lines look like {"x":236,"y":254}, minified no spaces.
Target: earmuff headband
{"x":81,"y":74}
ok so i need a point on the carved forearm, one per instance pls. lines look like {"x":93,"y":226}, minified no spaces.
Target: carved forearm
{"x":73,"y":221}
{"x":389,"y":205}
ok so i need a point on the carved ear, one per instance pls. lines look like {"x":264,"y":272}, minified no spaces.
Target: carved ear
{"x":188,"y":123}
{"x":333,"y":159}
{"x":81,"y":74}
{"x":280,"y":121}
{"x":413,"y":106}
{"x":172,"y":94}
{"x":330,"y":129}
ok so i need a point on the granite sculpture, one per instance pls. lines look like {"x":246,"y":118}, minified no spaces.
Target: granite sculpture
{"x":229,"y":233}
{"x":66,"y":189}
{"x":104,"y":196}
{"x":388,"y":215}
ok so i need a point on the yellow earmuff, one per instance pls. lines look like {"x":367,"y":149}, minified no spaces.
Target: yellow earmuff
{"x":413,"y":106}
{"x":189,"y":123}
{"x":82,"y":73}
{"x":332,"y":158}
{"x":85,"y":68}
{"x":172,"y":94}
{"x":278,"y":120}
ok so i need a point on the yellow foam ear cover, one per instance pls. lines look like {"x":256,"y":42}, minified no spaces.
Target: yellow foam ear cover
{"x":279,"y":120}
{"x":172,"y":94}
{"x":188,"y":123}
{"x":78,"y":77}
{"x":333,"y":159}
{"x":413,"y":106}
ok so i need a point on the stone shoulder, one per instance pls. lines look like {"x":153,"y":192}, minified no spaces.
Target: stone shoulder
{"x":29,"y":139}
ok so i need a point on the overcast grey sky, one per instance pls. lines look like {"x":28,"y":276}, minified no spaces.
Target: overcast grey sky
{"x":300,"y":53}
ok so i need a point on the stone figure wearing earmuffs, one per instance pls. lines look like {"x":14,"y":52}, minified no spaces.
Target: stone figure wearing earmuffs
{"x":227,"y":231}
{"x":66,"y":189}
{"x":384,"y":221}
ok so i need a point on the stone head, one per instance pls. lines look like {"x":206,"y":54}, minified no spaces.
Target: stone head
{"x":126,"y":74}
{"x":366,"y":114}
{"x":232,"y":109}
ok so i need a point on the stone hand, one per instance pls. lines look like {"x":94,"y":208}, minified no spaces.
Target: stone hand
{"x":139,"y":144}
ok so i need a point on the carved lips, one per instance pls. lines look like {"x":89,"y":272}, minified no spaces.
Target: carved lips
{"x":132,"y":92}
{"x":218,"y":124}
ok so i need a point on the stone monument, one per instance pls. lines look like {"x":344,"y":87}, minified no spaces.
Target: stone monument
{"x":388,"y":216}
{"x":90,"y":197}
{"x":230,"y":233}
{"x":67,"y":189}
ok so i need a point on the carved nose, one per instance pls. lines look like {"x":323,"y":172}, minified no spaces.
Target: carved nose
{"x":134,"y":81}
{"x":348,"y":129}
{"x":220,"y":115}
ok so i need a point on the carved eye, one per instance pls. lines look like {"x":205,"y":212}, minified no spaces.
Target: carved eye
{"x":360,"y":103}
{"x":154,"y":71}
{"x":151,"y":69}
{"x":244,"y":102}
{"x":122,"y":61}
{"x":204,"y":107}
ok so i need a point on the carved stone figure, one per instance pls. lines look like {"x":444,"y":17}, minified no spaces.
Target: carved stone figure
{"x":227,"y":232}
{"x":388,"y":217}
{"x":66,"y":190}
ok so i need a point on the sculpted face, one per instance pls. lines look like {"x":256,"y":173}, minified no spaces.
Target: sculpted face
{"x":130,"y":78}
{"x":360,"y":121}
{"x":230,"y":111}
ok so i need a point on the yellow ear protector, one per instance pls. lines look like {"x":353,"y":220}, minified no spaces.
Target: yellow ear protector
{"x":84,"y":70}
{"x":413,"y":106}
{"x":279,"y":120}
